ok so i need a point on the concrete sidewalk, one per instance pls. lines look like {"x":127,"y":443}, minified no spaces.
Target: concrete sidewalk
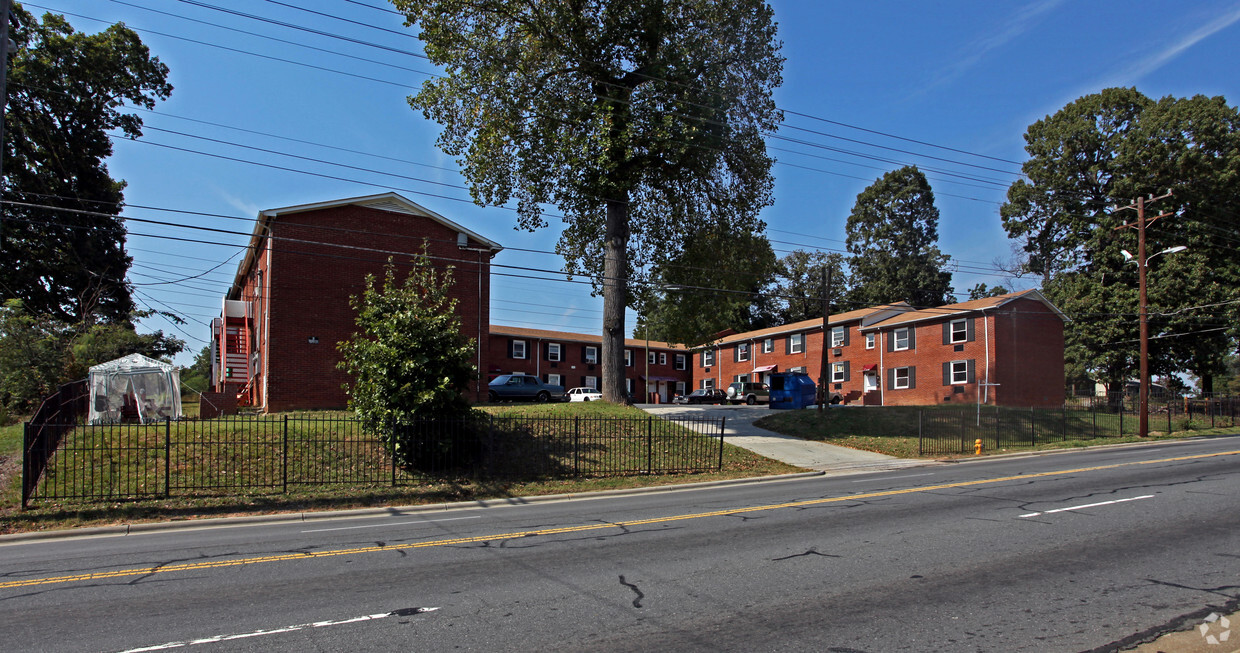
{"x":740,"y":431}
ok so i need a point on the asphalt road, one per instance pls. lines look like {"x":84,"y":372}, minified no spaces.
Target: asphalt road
{"x":1064,"y":552}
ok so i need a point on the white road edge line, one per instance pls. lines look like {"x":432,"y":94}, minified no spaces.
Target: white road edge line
{"x":1089,"y":505}
{"x":402,"y":523}
{"x":260,"y":633}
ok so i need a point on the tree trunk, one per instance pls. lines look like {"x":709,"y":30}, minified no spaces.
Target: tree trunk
{"x":615,"y":297}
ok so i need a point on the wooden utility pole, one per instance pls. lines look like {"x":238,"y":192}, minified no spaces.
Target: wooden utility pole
{"x":1143,"y":427}
{"x":5,"y":7}
{"x":823,"y":374}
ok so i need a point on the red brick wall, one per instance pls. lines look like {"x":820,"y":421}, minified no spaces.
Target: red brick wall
{"x":1029,"y":341}
{"x":853,"y":352}
{"x":1025,"y":356}
{"x":573,"y":367}
{"x":319,"y":259}
{"x":927,"y":358}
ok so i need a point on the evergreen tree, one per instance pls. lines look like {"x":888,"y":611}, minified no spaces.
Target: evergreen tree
{"x":893,"y":232}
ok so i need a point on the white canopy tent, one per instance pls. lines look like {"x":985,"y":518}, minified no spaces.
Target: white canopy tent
{"x":134,"y":388}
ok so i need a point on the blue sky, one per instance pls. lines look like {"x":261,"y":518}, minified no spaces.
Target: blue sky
{"x":868,"y":87}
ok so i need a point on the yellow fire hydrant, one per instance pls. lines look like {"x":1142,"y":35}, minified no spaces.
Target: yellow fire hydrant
{"x":977,"y":446}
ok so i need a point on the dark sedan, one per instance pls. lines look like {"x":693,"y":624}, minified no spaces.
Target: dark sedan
{"x":702,"y":396}
{"x":524,"y":387}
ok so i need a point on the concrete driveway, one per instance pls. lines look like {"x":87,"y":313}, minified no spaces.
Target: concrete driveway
{"x":740,"y":431}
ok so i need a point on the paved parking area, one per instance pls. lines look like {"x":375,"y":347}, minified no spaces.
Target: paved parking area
{"x":740,"y":431}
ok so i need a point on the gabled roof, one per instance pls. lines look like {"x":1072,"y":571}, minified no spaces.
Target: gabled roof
{"x":807,"y":325}
{"x":962,"y":308}
{"x":558,"y":336}
{"x":392,"y":202}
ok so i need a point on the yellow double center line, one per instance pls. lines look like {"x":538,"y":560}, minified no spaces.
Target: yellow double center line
{"x":216,"y":564}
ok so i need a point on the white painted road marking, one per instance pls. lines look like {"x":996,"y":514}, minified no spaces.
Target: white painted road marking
{"x":287,"y":629}
{"x":403,"y":523}
{"x":1089,"y":505}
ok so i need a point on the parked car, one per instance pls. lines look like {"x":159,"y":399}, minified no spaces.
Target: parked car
{"x":748,"y":392}
{"x":584,"y":394}
{"x":701,"y":396}
{"x":523,"y":387}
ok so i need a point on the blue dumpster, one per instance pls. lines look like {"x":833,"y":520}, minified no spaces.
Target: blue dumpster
{"x":791,"y":390}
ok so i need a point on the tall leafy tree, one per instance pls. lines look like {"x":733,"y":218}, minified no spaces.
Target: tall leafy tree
{"x":66,"y":90}
{"x":893,"y":234}
{"x":802,"y":285}
{"x":635,"y":119}
{"x":1102,"y":151}
{"x":718,"y":281}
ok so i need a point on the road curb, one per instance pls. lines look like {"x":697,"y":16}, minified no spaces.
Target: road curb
{"x":361,"y":513}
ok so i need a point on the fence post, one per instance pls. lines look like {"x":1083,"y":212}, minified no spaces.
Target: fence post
{"x":1033,"y":431}
{"x":1064,"y":420}
{"x":964,"y":444}
{"x":26,"y":485}
{"x":284,"y":459}
{"x":920,"y":447}
{"x":577,"y":445}
{"x":722,"y":422}
{"x":1169,"y":404}
{"x":996,"y":428}
{"x":167,"y":457}
{"x":649,"y":446}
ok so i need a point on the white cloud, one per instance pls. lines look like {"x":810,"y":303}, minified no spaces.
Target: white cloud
{"x":1133,"y":73}
{"x":1021,"y":22}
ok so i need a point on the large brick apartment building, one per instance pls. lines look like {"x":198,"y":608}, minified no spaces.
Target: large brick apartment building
{"x":1005,"y":350}
{"x":274,"y":344}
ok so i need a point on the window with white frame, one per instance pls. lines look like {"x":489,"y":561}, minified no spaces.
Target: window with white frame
{"x":518,"y":349}
{"x":591,"y":355}
{"x":708,"y":357}
{"x":741,"y":378}
{"x":958,"y":331}
{"x":768,"y":345}
{"x":662,"y":358}
{"x":553,"y":351}
{"x":628,"y":386}
{"x":901,"y":339}
{"x":680,"y":361}
{"x":628,"y":358}
{"x":802,"y":370}
{"x":837,"y":372}
{"x":869,"y":341}
{"x":837,"y":336}
{"x":796,"y":343}
{"x":592,"y":382}
{"x":708,"y":384}
{"x":959,"y":372}
{"x":903,"y":378}
{"x":651,"y":357}
{"x":680,"y":388}
{"x":555,"y":379}
{"x":742,"y":351}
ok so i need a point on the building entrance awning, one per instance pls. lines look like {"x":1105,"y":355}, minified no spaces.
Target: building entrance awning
{"x":765,"y":368}
{"x":667,"y":379}
{"x":870,"y":368}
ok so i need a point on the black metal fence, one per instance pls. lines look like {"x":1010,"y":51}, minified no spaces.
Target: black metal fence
{"x":56,"y":416}
{"x":256,"y":454}
{"x":942,"y":431}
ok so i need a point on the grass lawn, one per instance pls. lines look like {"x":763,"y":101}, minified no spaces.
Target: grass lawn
{"x":892,"y":430}
{"x":56,"y":514}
